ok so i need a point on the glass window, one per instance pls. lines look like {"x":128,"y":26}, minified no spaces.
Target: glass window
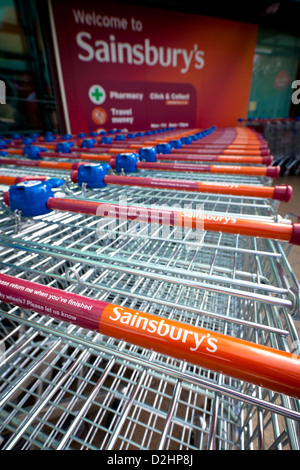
{"x":29,"y":102}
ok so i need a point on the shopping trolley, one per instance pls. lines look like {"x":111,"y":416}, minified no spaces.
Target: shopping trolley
{"x":65,"y":386}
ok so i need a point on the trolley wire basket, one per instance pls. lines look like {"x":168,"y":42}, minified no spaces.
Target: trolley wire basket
{"x":65,"y":385}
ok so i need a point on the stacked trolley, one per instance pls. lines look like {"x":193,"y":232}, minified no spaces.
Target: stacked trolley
{"x":94,"y":276}
{"x":283,"y":136}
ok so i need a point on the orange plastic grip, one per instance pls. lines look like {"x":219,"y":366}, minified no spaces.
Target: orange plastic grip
{"x":237,"y":189}
{"x":279,"y":193}
{"x":92,"y":157}
{"x":254,"y":146}
{"x":14,"y":151}
{"x":57,"y":165}
{"x":242,"y":152}
{"x":245,"y":170}
{"x":8,"y":180}
{"x":195,"y":220}
{"x":227,"y":224}
{"x":240,"y":159}
{"x":118,"y":150}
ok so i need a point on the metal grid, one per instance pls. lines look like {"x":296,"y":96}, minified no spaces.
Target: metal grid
{"x":164,"y":197}
{"x":63,"y":387}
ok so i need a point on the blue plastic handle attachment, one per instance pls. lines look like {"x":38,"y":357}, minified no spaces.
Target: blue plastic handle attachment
{"x":127,"y":162}
{"x":30,"y":197}
{"x":33,"y":151}
{"x":148,"y":154}
{"x":64,"y":147}
{"x":88,"y":143}
{"x":164,"y":148}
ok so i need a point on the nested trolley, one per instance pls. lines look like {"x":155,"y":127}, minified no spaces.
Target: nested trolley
{"x":66,"y":387}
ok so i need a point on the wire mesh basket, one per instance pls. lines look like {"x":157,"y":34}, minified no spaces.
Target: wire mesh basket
{"x":66,"y":387}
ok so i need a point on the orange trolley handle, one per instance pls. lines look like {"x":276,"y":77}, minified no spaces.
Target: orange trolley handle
{"x":243,"y":360}
{"x":41,"y":164}
{"x":281,"y":193}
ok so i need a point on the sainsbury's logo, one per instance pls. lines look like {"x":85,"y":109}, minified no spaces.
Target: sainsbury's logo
{"x":144,"y":53}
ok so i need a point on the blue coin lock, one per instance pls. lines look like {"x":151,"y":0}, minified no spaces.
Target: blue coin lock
{"x":27,"y":140}
{"x":93,"y":175}
{"x":106,"y":140}
{"x":49,"y":138}
{"x":88,"y":143}
{"x":30,"y":197}
{"x":186,"y":140}
{"x":64,"y":147}
{"x":147,"y":154}
{"x":163,"y":148}
{"x":127,"y":162}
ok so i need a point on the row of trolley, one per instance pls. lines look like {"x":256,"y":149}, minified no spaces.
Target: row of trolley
{"x":147,"y":299}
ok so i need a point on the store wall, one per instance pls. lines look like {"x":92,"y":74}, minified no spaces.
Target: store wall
{"x":190,"y":70}
{"x":139,"y":68}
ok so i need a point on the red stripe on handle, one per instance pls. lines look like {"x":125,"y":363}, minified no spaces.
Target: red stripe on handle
{"x":190,"y":157}
{"x":52,"y":302}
